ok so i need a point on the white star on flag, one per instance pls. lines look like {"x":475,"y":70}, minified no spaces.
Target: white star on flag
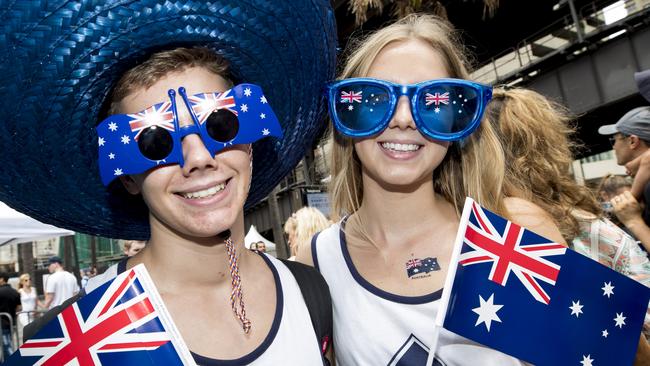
{"x":263,"y":100}
{"x":608,"y":289}
{"x":350,"y":107}
{"x":605,"y":333}
{"x":437,"y":110}
{"x":125,"y":139}
{"x":265,"y":132}
{"x":118,"y":171}
{"x":586,"y":360}
{"x":111,"y":156}
{"x":247,"y":92}
{"x":620,"y":320}
{"x":576,"y":308}
{"x":244,"y":108}
{"x":262,"y":115}
{"x":487,"y":312}
{"x":112,"y":126}
{"x":101,"y":141}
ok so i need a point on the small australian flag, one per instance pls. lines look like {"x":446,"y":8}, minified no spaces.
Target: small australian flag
{"x":416,"y":267}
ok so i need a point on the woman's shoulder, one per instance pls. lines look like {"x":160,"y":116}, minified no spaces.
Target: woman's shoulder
{"x":328,"y":234}
{"x":534,"y":218}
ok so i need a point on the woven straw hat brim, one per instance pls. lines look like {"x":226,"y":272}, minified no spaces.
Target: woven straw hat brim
{"x":60,"y":59}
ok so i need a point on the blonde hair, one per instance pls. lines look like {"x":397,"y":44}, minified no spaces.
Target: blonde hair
{"x":290,"y":225}
{"x":535,"y":133}
{"x":471,"y":168}
{"x":22,"y":278}
{"x":307,"y":221}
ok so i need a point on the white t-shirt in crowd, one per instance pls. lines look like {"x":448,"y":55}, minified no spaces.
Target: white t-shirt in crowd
{"x":63,"y":285}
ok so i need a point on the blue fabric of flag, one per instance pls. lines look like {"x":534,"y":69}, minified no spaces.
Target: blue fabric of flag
{"x":593,"y":317}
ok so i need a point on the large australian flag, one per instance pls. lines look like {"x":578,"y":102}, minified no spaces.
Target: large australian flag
{"x":536,"y":300}
{"x":122,"y":322}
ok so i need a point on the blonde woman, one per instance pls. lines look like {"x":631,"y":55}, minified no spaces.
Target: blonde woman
{"x":536,"y":138}
{"x":407,"y":150}
{"x":302,"y":226}
{"x":28,"y":299}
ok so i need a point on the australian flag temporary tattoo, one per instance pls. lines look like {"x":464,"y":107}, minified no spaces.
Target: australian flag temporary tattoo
{"x":415,"y":267}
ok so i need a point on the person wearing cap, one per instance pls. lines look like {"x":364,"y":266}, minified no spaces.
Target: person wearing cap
{"x":630,"y":138}
{"x":159,"y":121}
{"x":60,"y":285}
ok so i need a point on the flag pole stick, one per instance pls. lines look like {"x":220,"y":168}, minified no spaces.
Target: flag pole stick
{"x":449,"y":280}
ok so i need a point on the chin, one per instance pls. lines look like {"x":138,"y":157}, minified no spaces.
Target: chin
{"x":403,"y":182}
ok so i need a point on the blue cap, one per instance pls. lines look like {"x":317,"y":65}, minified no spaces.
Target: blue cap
{"x":635,"y":122}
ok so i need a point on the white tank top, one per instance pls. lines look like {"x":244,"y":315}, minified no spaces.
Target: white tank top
{"x":291,"y":340}
{"x":374,"y":327}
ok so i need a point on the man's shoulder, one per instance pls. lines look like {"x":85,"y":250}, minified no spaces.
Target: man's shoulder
{"x":8,"y":290}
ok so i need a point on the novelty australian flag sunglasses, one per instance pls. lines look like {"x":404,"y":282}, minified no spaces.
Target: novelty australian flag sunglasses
{"x":443,"y":109}
{"x":135,"y":143}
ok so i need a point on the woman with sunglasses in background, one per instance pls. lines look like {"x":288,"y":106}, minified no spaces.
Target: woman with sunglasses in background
{"x":408,"y":148}
{"x":28,"y":300}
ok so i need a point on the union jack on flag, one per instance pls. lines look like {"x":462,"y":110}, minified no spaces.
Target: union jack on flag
{"x":412,"y":263}
{"x":350,"y":97}
{"x":436,"y":98}
{"x":160,"y":115}
{"x":204,"y":104}
{"x":509,"y":254}
{"x":120,"y":322}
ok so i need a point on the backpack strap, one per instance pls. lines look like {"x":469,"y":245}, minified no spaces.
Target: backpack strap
{"x":317,"y":298}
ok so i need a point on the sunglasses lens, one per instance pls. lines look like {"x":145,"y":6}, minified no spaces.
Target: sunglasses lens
{"x":361,"y":107}
{"x":155,"y":143}
{"x":222,"y":125}
{"x":446,"y":109}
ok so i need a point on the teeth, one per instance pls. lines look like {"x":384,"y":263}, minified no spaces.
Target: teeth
{"x":206,"y":192}
{"x":400,"y":147}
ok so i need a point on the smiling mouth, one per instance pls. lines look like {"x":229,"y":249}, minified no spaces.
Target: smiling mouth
{"x":204,"y":193}
{"x":400,"y":147}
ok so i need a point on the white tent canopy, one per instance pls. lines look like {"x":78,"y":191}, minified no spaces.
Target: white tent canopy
{"x":16,"y":227}
{"x":253,"y":236}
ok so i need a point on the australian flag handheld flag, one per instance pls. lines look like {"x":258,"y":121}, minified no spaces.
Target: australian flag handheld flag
{"x":517,"y":292}
{"x":122,"y":322}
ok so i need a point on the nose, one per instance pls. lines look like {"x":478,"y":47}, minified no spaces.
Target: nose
{"x":403,"y":118}
{"x":196,"y":156}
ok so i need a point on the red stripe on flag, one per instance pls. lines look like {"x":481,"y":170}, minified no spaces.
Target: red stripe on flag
{"x":31,"y":344}
{"x":544,"y":247}
{"x":125,"y":345}
{"x":538,"y":289}
{"x":117,"y":293}
{"x":480,"y":220}
{"x":474,"y":260}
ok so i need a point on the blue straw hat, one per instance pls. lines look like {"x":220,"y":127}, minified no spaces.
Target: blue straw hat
{"x":60,"y":59}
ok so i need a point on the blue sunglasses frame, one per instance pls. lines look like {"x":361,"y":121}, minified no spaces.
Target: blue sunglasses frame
{"x":413,"y":91}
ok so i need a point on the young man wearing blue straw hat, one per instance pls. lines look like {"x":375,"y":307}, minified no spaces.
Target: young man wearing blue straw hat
{"x":119,"y":90}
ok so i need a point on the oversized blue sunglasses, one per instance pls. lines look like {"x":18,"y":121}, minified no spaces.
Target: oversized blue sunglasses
{"x":443,"y":109}
{"x":135,"y":143}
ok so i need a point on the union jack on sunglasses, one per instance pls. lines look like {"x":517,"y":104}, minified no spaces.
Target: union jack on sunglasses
{"x":443,"y":109}
{"x":135,"y":143}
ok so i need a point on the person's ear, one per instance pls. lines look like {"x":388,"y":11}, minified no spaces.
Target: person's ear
{"x":633,"y":141}
{"x":130,"y":184}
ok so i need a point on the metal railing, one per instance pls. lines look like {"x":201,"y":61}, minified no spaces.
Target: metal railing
{"x":13,"y":341}
{"x":557,"y":38}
